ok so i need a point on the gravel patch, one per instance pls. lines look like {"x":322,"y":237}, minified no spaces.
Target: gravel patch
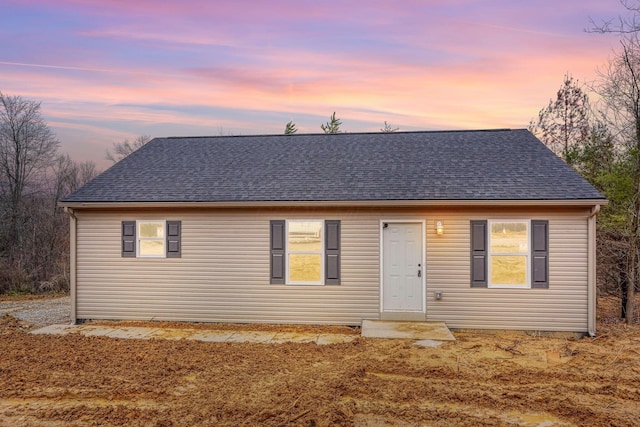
{"x":40,"y":312}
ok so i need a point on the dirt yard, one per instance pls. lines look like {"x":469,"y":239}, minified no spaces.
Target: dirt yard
{"x":479,"y":380}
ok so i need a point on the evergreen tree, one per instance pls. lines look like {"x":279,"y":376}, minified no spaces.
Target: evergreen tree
{"x":388,"y":128}
{"x":332,"y":126}
{"x":290,"y":128}
{"x":564,"y":124}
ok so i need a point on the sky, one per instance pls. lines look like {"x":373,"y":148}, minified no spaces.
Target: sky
{"x":109,"y":70}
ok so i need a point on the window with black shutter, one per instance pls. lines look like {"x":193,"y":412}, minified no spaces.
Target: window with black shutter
{"x":305,"y":252}
{"x":510,"y":253}
{"x":152,"y":239}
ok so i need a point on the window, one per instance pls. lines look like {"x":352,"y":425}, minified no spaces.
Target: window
{"x":510,"y":254}
{"x":151,"y":239}
{"x":305,"y":252}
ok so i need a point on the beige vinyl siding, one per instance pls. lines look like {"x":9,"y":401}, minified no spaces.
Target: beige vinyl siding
{"x":562,"y":307}
{"x":223,"y":274}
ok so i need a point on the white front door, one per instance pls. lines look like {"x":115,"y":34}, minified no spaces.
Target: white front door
{"x":402,"y":266}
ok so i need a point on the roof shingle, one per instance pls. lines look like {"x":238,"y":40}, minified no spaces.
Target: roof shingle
{"x":447,"y":165}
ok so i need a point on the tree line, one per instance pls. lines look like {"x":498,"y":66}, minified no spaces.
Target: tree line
{"x":333,"y":126}
{"x":34,"y":175}
{"x":601,"y":141}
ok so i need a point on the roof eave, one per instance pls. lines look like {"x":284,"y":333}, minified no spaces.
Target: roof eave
{"x":339,"y":203}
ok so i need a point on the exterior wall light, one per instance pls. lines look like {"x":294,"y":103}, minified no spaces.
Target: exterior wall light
{"x":439,"y":228}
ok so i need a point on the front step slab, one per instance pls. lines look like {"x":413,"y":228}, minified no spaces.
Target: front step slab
{"x":436,"y":331}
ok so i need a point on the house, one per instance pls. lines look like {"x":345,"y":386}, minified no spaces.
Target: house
{"x":479,"y":229}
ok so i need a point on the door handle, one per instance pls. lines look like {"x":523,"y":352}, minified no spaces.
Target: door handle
{"x":419,"y":273}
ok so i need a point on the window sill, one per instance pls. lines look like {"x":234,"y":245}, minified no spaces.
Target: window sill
{"x":304,"y":284}
{"x":509,"y":287}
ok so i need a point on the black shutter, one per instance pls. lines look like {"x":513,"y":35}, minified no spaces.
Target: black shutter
{"x":478,"y":254}
{"x":174,"y":245}
{"x":540,"y":254}
{"x":278,"y":231}
{"x":332,"y":252}
{"x":128,"y":238}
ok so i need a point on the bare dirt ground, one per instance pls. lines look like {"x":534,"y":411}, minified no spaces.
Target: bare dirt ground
{"x":504,"y":379}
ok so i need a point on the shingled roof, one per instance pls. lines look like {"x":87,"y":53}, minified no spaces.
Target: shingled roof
{"x":491,"y":165}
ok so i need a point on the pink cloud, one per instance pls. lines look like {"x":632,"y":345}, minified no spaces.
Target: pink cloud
{"x":135,"y":64}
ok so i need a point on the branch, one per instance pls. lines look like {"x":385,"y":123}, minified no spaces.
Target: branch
{"x":624,"y":26}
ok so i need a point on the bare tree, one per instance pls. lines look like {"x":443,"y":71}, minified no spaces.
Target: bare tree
{"x":34,"y":243}
{"x":120,"y":150}
{"x":49,"y":262}
{"x":69,"y":175}
{"x":27,"y":148}
{"x":622,"y":24}
{"x":619,"y":89}
{"x":564,"y":124}
{"x":224,"y":132}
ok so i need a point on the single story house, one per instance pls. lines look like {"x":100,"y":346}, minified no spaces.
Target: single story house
{"x":480,"y":229}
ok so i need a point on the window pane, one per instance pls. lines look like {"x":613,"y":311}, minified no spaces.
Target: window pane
{"x":509,"y":237}
{"x":305,"y":236}
{"x":151,"y":229}
{"x":508,"y":270}
{"x":152,"y":247}
{"x":305,"y":268}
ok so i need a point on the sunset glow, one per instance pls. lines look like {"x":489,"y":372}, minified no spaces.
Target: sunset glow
{"x":109,"y":70}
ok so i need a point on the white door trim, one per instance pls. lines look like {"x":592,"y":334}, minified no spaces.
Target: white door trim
{"x":422,"y":222}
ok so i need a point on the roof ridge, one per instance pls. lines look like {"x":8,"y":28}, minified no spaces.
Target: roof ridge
{"x":345,"y":133}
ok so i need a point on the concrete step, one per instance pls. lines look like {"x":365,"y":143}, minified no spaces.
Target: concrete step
{"x":436,"y":331}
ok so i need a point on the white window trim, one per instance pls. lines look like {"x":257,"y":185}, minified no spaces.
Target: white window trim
{"x":321,"y":252}
{"x":525,"y":254}
{"x":163,"y":239}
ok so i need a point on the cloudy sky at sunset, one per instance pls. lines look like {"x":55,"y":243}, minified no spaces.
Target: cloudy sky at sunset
{"x":109,"y":70}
